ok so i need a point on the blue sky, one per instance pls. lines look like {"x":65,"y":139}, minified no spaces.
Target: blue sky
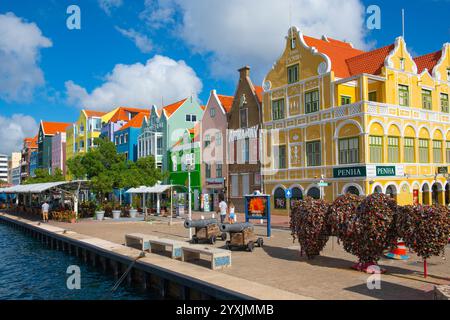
{"x":212,"y":37}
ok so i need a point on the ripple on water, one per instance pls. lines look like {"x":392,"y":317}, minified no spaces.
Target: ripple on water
{"x":31,"y":271}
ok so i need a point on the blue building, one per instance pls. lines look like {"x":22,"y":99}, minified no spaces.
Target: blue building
{"x":126,"y":138}
{"x":33,"y":163}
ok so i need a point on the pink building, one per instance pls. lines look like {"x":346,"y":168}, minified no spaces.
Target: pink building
{"x":59,"y":152}
{"x":213,"y":134}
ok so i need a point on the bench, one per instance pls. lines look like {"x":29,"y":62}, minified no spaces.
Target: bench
{"x":163,"y":245}
{"x":139,"y":240}
{"x":219,"y":258}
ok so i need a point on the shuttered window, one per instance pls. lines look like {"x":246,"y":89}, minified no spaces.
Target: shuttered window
{"x":313,"y":154}
{"x":444,"y":102}
{"x":426,"y":99}
{"x":278,"y":109}
{"x":312,"y":101}
{"x":403,"y":95}
{"x":409,"y":150}
{"x":376,"y":149}
{"x":447,"y":144}
{"x":348,"y":150}
{"x":393,"y":150}
{"x":437,"y":151}
{"x":423,"y":151}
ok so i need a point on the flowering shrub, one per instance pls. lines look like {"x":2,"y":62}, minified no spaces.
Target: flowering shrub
{"x":63,"y":216}
{"x":424,"y":229}
{"x":342,"y":211}
{"x":371,"y":229}
{"x":308,"y":225}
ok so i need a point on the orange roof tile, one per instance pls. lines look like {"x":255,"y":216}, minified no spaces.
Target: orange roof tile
{"x":92,"y":113}
{"x":51,"y":128}
{"x":226,"y":101}
{"x":31,"y":142}
{"x":34,"y":142}
{"x":135,"y":122}
{"x":369,"y":62}
{"x":171,"y":108}
{"x":259,"y":93}
{"x":122,"y":113}
{"x":428,"y":61}
{"x":337,"y":51}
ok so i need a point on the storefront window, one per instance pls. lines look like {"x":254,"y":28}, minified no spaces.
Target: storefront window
{"x":280,"y":198}
{"x":314,"y":193}
{"x":296,"y":195}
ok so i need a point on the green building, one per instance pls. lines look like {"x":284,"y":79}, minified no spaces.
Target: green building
{"x":46,"y":132}
{"x":188,"y":147}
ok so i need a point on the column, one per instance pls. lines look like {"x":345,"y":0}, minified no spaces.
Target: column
{"x":158,"y":204}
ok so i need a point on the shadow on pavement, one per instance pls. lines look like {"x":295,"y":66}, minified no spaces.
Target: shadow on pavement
{"x":391,"y":291}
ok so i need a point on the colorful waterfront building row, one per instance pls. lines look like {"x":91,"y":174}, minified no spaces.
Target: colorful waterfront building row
{"x":329,"y":119}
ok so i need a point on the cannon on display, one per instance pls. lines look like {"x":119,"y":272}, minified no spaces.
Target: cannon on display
{"x":241,"y":236}
{"x":205,"y":230}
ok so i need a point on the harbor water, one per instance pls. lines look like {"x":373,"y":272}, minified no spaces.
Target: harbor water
{"x":31,"y":271}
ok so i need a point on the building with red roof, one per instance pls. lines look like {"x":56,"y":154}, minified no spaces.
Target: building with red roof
{"x":363,"y":121}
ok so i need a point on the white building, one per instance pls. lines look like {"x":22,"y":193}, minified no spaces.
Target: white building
{"x":13,"y":164}
{"x":4,"y":167}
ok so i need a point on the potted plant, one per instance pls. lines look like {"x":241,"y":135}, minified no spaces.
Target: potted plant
{"x":134,"y":208}
{"x":100,"y":212}
{"x":116,"y":211}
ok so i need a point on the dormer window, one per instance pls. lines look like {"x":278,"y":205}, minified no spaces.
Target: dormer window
{"x":402,"y":64}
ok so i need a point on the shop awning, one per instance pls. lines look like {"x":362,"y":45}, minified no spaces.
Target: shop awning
{"x":42,"y":187}
{"x":159,"y":188}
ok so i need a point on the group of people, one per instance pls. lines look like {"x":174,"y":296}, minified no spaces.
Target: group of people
{"x":225,"y":209}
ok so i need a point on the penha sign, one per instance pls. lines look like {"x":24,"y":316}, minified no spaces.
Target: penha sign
{"x":348,"y":172}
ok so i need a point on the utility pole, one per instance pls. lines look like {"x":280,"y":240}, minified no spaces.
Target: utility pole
{"x":189,"y":168}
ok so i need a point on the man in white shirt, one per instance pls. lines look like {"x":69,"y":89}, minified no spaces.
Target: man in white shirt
{"x":45,"y":208}
{"x":223,"y":210}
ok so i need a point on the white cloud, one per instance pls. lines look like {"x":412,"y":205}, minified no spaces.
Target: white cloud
{"x":138,"y":85}
{"x":20,"y":45}
{"x":13,"y":130}
{"x":234,"y":33}
{"x":107,"y":5}
{"x":140,"y":40}
{"x":158,"y":13}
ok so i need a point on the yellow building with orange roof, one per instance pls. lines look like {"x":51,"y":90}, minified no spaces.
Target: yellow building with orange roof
{"x":338,"y":120}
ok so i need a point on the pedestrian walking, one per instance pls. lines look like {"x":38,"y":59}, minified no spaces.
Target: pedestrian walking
{"x":45,"y":208}
{"x":223,"y":210}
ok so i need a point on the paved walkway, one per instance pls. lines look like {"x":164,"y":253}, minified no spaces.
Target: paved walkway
{"x":278,"y":263}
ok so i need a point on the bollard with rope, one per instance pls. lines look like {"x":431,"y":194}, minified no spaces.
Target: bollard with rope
{"x":125,"y":274}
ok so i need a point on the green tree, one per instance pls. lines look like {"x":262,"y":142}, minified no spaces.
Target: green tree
{"x":43,"y":176}
{"x":107,"y":170}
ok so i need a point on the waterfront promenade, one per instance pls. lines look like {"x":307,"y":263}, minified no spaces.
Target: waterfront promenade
{"x":278,"y":264}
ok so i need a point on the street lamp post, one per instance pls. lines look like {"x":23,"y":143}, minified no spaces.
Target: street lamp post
{"x":189,"y":165}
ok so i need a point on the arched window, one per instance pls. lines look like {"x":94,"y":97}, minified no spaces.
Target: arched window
{"x":297,"y":194}
{"x":391,"y":191}
{"x":314,"y":193}
{"x":378,"y":190}
{"x":279,"y":198}
{"x":353,"y":190}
